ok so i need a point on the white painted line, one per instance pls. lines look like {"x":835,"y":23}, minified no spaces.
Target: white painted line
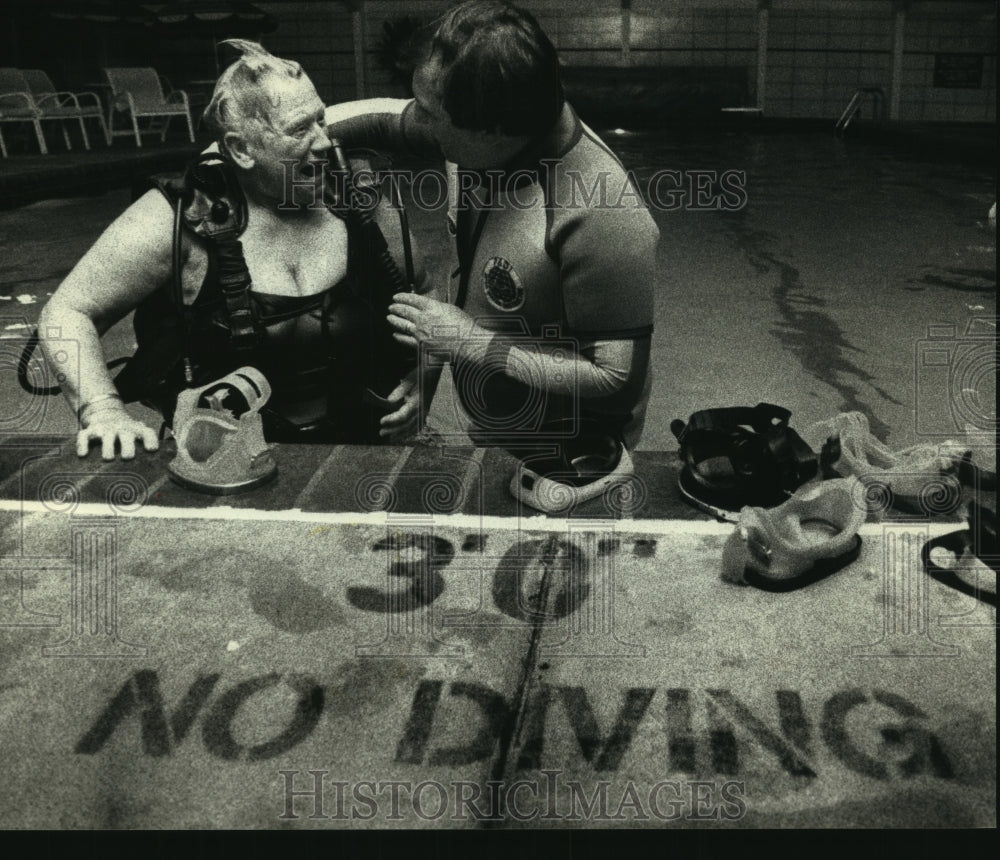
{"x":157,"y":484}
{"x":394,"y":472}
{"x":318,"y":475}
{"x":539,"y":523}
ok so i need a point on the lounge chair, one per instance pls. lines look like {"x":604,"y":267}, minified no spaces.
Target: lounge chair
{"x":137,"y":91}
{"x":17,"y":105}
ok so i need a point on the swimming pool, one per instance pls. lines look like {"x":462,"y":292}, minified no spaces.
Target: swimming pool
{"x":815,"y":292}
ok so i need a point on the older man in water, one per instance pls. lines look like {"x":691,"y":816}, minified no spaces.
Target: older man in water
{"x":236,"y":265}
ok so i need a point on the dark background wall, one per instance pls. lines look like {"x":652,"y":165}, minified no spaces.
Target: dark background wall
{"x":675,"y":55}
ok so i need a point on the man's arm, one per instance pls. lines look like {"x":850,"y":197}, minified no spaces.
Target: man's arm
{"x":595,"y":370}
{"x":599,"y":369}
{"x":607,"y":278}
{"x":127,"y":263}
{"x":382,"y":124}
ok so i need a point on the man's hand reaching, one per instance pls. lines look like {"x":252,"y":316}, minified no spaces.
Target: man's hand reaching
{"x":422,"y":320}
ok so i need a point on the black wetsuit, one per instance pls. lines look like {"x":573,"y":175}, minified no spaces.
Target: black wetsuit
{"x":318,"y":352}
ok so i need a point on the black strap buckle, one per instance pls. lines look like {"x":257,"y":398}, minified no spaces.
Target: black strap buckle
{"x":234,"y":279}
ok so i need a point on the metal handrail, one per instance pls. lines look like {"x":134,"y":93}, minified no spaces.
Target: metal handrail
{"x":854,"y":106}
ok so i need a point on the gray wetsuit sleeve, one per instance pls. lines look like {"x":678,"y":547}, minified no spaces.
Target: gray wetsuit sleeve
{"x":387,"y":125}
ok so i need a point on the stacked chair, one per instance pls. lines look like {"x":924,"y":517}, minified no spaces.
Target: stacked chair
{"x":80,"y":106}
{"x":17,"y":106}
{"x":28,"y":96}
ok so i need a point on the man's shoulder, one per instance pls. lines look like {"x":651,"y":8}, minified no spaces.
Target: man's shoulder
{"x":592,"y":190}
{"x":589,"y":172}
{"x":590,"y":154}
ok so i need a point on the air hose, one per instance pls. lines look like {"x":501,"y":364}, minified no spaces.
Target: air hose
{"x":391,"y":361}
{"x":24,"y":363}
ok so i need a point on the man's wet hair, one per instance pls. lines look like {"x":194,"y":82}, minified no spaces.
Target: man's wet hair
{"x":500,"y":71}
{"x":240,"y":102}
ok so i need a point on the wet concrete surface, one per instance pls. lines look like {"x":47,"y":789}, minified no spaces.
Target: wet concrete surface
{"x":218,"y":669}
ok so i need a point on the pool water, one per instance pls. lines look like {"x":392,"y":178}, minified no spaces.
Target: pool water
{"x":816,"y":292}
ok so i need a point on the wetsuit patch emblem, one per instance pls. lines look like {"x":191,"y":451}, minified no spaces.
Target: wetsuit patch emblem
{"x":502,"y":285}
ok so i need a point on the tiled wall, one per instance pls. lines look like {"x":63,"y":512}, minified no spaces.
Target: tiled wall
{"x":924,"y":37}
{"x":321,"y":37}
{"x":819,"y":51}
{"x":665,"y":34}
{"x":816,"y":60}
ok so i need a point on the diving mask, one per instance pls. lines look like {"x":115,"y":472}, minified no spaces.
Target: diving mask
{"x":219,"y":451}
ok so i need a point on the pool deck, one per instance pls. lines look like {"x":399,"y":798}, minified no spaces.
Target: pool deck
{"x":320,"y":640}
{"x":28,"y":177}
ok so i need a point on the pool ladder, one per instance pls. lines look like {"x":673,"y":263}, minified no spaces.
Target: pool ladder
{"x":854,"y":106}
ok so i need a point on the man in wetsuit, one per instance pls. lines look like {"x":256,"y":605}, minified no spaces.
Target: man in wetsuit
{"x":550,"y":315}
{"x":302,"y":315}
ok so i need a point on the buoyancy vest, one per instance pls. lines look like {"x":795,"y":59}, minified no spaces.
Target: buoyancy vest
{"x":320,"y":352}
